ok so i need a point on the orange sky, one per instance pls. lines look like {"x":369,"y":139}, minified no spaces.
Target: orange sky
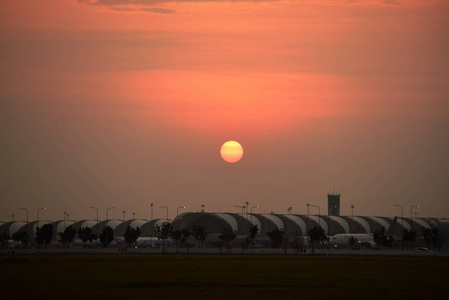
{"x":125,"y":104}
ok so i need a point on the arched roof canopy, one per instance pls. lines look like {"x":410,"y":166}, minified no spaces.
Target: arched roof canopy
{"x":363,"y":223}
{"x":300,"y":224}
{"x":318,"y":221}
{"x":275,"y":220}
{"x":342,"y":222}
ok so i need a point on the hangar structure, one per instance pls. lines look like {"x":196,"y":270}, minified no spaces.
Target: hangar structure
{"x":293,"y":225}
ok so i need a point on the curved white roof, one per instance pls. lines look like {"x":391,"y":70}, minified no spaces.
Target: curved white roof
{"x":275,"y":220}
{"x":320,"y":221}
{"x":137,"y":223}
{"x":228,"y":219}
{"x":113,"y":223}
{"x":380,"y":221}
{"x":16,"y":226}
{"x":60,"y":227}
{"x":364,"y":223}
{"x":298,"y":221}
{"x":40,"y":224}
{"x":402,"y":221}
{"x":88,"y":223}
{"x":253,"y":220}
{"x":422,"y":223}
{"x":342,"y":222}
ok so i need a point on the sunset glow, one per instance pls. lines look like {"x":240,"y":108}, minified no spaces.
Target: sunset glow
{"x":103,"y":101}
{"x":231,"y":151}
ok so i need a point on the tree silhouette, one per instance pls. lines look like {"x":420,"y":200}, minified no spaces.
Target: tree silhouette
{"x":163,"y":232}
{"x":21,"y":237}
{"x":67,"y":236}
{"x":316,"y":235}
{"x":106,"y":236}
{"x":44,"y":234}
{"x":276,"y":237}
{"x":131,"y":235}
{"x":354,"y":242}
{"x":4,"y":238}
{"x":227,"y":236}
{"x":253,"y":231}
{"x":85,"y":234}
{"x":200,"y":234}
{"x":408,"y":237}
{"x":381,"y":239}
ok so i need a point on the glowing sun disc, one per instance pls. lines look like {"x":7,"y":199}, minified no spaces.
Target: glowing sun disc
{"x":231,"y":151}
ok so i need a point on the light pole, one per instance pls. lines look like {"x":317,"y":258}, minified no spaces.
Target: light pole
{"x":12,"y":217}
{"x":151,"y":211}
{"x":38,"y":210}
{"x":64,"y":218}
{"x":247,"y":206}
{"x":25,"y":209}
{"x":124,"y":215}
{"x":166,"y":209}
{"x":243,"y":210}
{"x":177,"y":213}
{"x":308,"y":209}
{"x":352,"y":211}
{"x":134,"y":215}
{"x":319,"y":213}
{"x":97,"y":219}
{"x":411,"y":215}
{"x":107,"y":212}
{"x":289,"y":210}
{"x":402,"y":215}
{"x":257,"y":206}
{"x":202,"y":208}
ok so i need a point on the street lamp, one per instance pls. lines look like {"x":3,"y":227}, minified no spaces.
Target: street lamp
{"x":202,"y":208}
{"x":38,"y":210}
{"x":257,"y":206}
{"x":107,"y":212}
{"x":243,"y":210}
{"x":352,"y":211}
{"x":64,"y":218}
{"x":97,"y":219}
{"x":134,"y":215}
{"x":308,"y":209}
{"x":177,"y":213}
{"x":319,"y":213}
{"x":289,"y":210}
{"x":124,"y":215}
{"x":402,"y":214}
{"x":177,"y":210}
{"x":247,"y":206}
{"x":151,"y":211}
{"x":12,"y":217}
{"x":166,"y":209}
{"x":411,"y":215}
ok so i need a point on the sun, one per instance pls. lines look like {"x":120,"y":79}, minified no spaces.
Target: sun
{"x":231,"y":151}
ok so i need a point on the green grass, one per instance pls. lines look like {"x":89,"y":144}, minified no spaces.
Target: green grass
{"x":153,"y":276}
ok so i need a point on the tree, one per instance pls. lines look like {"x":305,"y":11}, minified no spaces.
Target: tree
{"x":316,"y":235}
{"x":200,"y":234}
{"x":354,"y":242}
{"x":163,"y":232}
{"x":409,"y":236}
{"x":297,"y":243}
{"x":85,"y":234}
{"x":44,"y":234}
{"x":227,"y":236}
{"x":381,"y":239}
{"x":276,"y":237}
{"x":253,"y":231}
{"x":68,"y":236}
{"x":184,"y":239}
{"x":131,"y":235}
{"x":176,"y":235}
{"x":427,"y":234}
{"x":21,"y":237}
{"x":106,"y":236}
{"x":437,"y":239}
{"x":4,"y":238}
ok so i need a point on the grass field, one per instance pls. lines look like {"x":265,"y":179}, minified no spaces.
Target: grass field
{"x":157,"y":276}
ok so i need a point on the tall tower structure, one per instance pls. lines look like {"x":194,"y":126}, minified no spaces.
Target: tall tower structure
{"x":333,"y":204}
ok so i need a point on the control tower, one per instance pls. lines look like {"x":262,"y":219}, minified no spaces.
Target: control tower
{"x":333,"y":204}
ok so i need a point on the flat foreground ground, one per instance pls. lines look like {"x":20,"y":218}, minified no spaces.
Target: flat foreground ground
{"x":207,"y":276}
